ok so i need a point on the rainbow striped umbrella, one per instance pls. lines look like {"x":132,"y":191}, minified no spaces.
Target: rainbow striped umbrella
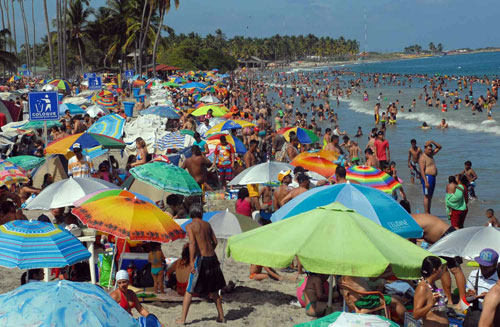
{"x":60,"y":84}
{"x":14,"y":78}
{"x":320,"y":162}
{"x":373,"y":177}
{"x":11,"y":174}
{"x":35,"y":244}
{"x":107,"y":103}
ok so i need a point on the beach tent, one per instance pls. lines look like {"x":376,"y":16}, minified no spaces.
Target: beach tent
{"x":54,"y":166}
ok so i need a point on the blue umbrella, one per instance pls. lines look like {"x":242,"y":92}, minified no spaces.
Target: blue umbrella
{"x":162,"y":111}
{"x":73,"y":109}
{"x":62,"y":303}
{"x":35,"y":244}
{"x":367,"y":201}
{"x":109,"y":125}
{"x":193,"y":85}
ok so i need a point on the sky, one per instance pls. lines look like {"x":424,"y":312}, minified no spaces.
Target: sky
{"x":391,"y":25}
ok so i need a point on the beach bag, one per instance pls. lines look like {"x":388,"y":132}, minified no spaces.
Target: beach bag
{"x":281,"y":155}
{"x":143,"y":277}
{"x":105,"y":261}
{"x":473,"y":313}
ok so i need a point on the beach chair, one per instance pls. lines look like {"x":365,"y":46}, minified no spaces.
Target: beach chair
{"x":352,"y":306}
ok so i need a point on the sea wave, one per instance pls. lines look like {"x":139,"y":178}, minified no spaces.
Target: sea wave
{"x":487,"y":126}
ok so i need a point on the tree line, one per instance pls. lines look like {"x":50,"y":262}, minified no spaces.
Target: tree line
{"x":135,"y":32}
{"x":416,"y":49}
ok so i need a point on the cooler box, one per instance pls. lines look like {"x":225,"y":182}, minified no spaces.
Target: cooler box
{"x":60,"y":97}
{"x":136,"y":92}
{"x":140,"y":98}
{"x":139,"y":260}
{"x":129,"y":108}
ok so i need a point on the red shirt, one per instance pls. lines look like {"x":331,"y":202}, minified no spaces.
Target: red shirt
{"x":381,"y":147}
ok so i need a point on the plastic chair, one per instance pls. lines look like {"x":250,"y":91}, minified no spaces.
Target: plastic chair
{"x":352,"y":306}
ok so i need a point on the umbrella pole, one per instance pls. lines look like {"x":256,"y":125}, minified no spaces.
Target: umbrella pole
{"x":330,"y":291}
{"x":112,"y":265}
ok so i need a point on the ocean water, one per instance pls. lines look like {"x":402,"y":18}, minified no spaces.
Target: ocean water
{"x":469,"y":137}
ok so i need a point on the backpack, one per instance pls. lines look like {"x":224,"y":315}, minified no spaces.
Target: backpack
{"x":281,"y":155}
{"x":142,"y":277}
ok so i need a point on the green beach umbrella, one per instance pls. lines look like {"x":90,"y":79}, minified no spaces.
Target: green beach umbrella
{"x":171,"y":84}
{"x":167,"y":177}
{"x":362,"y":319}
{"x":331,"y":240}
{"x":27,"y":162}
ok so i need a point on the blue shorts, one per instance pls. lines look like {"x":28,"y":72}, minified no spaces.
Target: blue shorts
{"x":432,"y":184}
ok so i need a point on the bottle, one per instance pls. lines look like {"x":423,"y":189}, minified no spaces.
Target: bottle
{"x":130,"y":271}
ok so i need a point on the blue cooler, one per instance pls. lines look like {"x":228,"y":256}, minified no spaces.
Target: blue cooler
{"x":136,"y":91}
{"x":141,"y":98}
{"x":129,"y":108}
{"x":60,"y":96}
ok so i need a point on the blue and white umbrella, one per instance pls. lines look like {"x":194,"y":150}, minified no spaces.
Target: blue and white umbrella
{"x":35,"y":244}
{"x":162,"y":111}
{"x":367,"y":201}
{"x":109,"y":125}
{"x":62,"y":303}
{"x":175,"y":140}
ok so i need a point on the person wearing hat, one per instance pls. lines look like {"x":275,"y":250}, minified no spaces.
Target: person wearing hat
{"x":127,"y":299}
{"x":80,"y":165}
{"x":490,"y":316}
{"x":285,"y":178}
{"x":480,"y":281}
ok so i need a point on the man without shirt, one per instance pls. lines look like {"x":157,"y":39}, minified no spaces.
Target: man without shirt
{"x":429,"y":172}
{"x":414,"y":154}
{"x":303,"y":181}
{"x":285,"y":178}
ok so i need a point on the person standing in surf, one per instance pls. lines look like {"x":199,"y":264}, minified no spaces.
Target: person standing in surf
{"x":428,"y":170}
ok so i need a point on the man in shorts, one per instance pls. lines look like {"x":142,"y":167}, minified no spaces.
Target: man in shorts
{"x":413,"y":158}
{"x":206,"y":275}
{"x":428,"y":171}
{"x":224,"y":158}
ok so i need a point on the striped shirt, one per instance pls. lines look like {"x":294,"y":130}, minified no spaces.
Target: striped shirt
{"x":80,"y":168}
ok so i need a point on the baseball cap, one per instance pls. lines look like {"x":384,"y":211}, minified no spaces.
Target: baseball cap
{"x":487,"y":257}
{"x":76,"y":146}
{"x":283,"y":173}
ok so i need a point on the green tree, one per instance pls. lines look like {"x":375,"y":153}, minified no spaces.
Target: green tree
{"x":77,"y":27}
{"x":7,"y":59}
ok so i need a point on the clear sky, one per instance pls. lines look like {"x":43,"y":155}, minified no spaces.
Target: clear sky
{"x":391,"y":24}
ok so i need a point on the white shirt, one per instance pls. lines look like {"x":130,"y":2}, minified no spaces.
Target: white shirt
{"x":483,"y":284}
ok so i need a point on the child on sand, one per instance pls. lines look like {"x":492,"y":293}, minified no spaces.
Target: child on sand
{"x":156,"y":258}
{"x":492,"y":220}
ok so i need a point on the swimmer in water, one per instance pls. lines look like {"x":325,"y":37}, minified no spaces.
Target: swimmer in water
{"x":443,"y":124}
{"x":425,"y":126}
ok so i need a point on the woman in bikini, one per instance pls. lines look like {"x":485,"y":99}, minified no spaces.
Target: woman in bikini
{"x":126,"y":298}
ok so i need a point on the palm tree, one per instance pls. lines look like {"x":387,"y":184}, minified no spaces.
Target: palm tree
{"x":1,"y":10}
{"x":26,"y":34}
{"x":77,"y":27}
{"x":34,"y":34}
{"x":164,"y":8}
{"x":13,"y":19}
{"x":7,"y":59}
{"x":49,"y":40}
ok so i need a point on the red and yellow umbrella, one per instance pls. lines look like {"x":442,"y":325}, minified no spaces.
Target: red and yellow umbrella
{"x":320,"y":162}
{"x":11,"y":174}
{"x":373,"y":177}
{"x":130,"y":218}
{"x":60,"y":84}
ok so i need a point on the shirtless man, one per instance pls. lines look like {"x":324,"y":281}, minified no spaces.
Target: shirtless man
{"x":291,"y":150}
{"x":251,"y":160}
{"x":471,"y":177}
{"x":435,"y":229}
{"x":206,"y":275}
{"x":334,"y":145}
{"x":443,"y":124}
{"x":303,"y":181}
{"x":413,"y":158}
{"x":490,"y":317}
{"x":429,"y":172}
{"x":197,"y":165}
{"x":371,"y":159}
{"x":279,"y":194}
{"x":27,"y":190}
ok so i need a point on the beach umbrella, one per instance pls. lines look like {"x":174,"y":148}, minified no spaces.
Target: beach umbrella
{"x":109,"y":125}
{"x":64,"y":193}
{"x":320,"y":162}
{"x":331,"y":240}
{"x":226,"y":224}
{"x":26,"y":162}
{"x":175,"y":140}
{"x":193,"y":85}
{"x":14,"y":78}
{"x":264,"y":173}
{"x":239,"y":147}
{"x":468,"y":242}
{"x":27,"y":244}
{"x":62,"y":303}
{"x":105,"y":193}
{"x":73,"y":109}
{"x":138,"y":83}
{"x":107,"y":103}
{"x":217,"y":111}
{"x":129,"y":218}
{"x":368,"y":202}
{"x":11,"y":174}
{"x":167,"y":177}
{"x":348,"y":319}
{"x":170,"y":84}
{"x":96,"y":110}
{"x":34,"y":125}
{"x":60,"y":84}
{"x":105,"y":94}
{"x":210,"y":99}
{"x":162,"y":111}
{"x":49,"y":87}
{"x":86,"y":140}
{"x":373,"y":177}
{"x":229,"y":125}
{"x":305,"y":136}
